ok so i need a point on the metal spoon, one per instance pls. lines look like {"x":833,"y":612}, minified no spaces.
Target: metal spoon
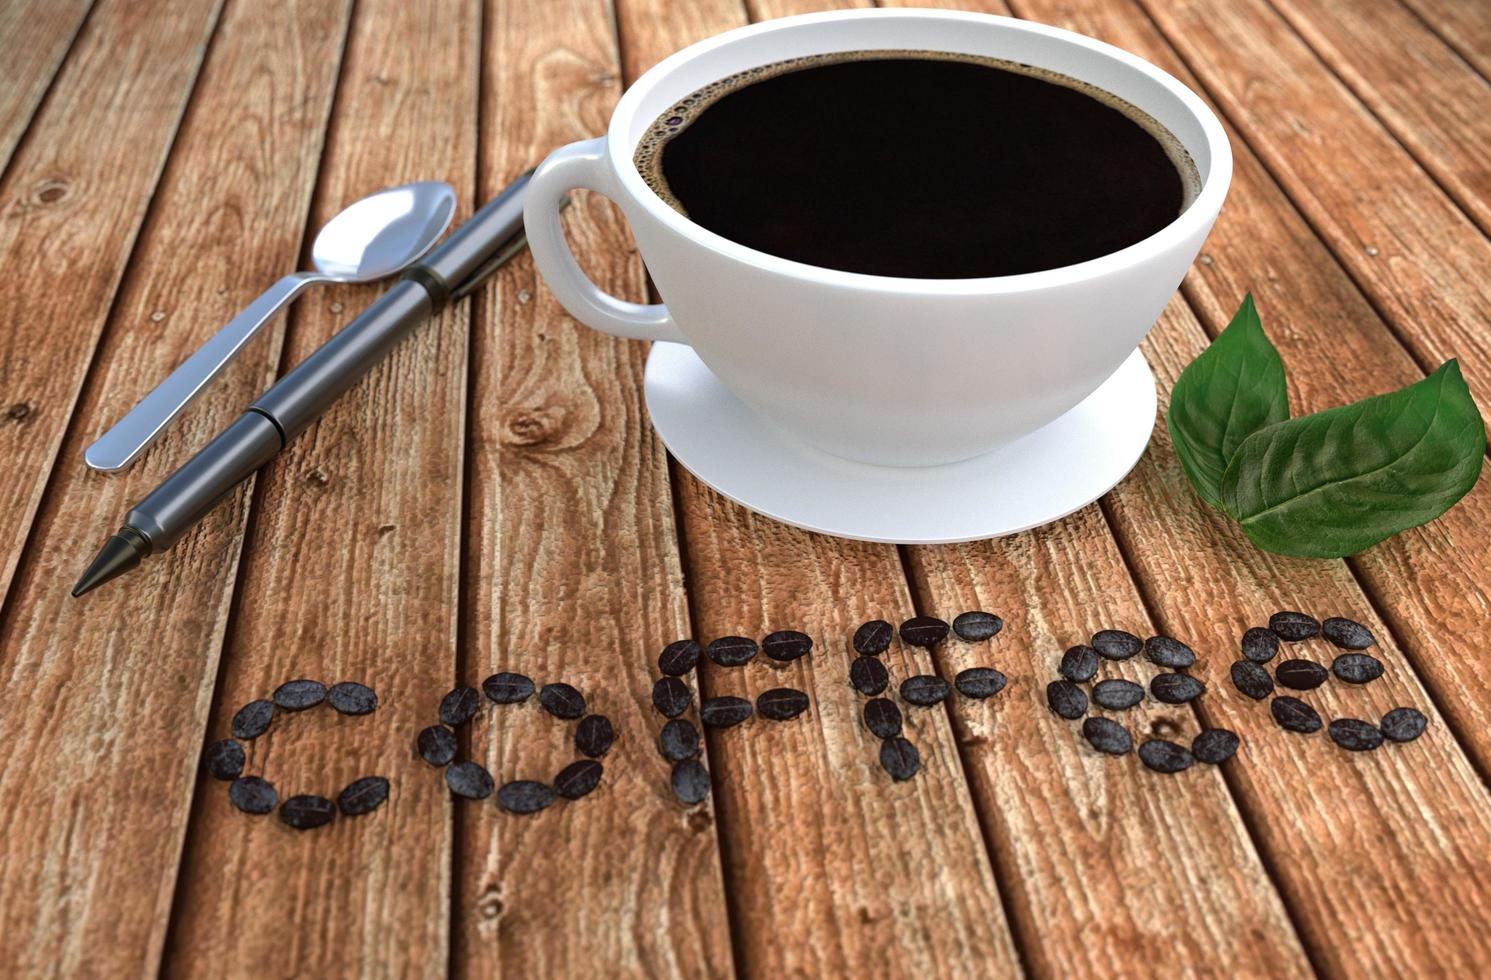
{"x":372,"y":238}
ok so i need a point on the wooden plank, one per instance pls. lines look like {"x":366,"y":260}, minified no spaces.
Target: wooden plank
{"x":101,"y":787}
{"x":1423,"y":92}
{"x":1332,"y":337}
{"x":69,"y":215}
{"x":1465,"y":25}
{"x":1421,"y":261}
{"x":1405,"y":821}
{"x":37,"y":36}
{"x":573,"y":571}
{"x":1059,"y":812}
{"x":352,"y":573}
{"x":1079,"y":836}
{"x":830,"y":868}
{"x":1397,"y":819}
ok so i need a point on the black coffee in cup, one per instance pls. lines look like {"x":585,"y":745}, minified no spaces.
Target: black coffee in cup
{"x":917,"y":163}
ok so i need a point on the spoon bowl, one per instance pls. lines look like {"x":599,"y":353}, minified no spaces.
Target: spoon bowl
{"x":384,"y":232}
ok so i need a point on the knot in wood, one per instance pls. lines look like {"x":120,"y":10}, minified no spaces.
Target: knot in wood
{"x":532,"y":427}
{"x":19,"y":412}
{"x":51,"y":191}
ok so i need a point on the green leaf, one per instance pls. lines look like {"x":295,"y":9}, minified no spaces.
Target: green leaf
{"x":1232,"y":390}
{"x":1333,"y":483}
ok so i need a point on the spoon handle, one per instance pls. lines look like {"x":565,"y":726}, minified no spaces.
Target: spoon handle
{"x":130,"y":436}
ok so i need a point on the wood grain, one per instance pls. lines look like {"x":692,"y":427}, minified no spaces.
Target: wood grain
{"x":37,"y":35}
{"x":100,"y":783}
{"x":1192,"y":565}
{"x":1422,"y":262}
{"x":1059,"y":811}
{"x":351,"y":572}
{"x":1435,"y":103}
{"x":831,"y":868}
{"x":573,"y":571}
{"x":1077,"y":833}
{"x":1338,"y":348}
{"x":1405,"y":821}
{"x":69,"y":215}
{"x":1465,"y":25}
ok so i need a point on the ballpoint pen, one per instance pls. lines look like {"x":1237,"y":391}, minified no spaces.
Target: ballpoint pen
{"x":453,"y":269}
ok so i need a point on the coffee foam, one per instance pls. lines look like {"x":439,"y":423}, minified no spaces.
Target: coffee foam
{"x":648,"y":156}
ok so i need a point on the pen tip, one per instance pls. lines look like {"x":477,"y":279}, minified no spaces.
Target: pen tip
{"x":119,"y":554}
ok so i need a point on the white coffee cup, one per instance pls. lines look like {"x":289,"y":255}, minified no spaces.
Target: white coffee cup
{"x":884,"y":370}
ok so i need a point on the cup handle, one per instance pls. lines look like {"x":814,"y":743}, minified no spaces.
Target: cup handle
{"x":583,"y":165}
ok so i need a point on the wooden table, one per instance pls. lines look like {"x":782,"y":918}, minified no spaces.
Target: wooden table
{"x":492,"y":497}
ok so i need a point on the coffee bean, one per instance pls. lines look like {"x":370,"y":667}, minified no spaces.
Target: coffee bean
{"x":362,"y":796}
{"x":1251,"y":679}
{"x":524,"y":796}
{"x":223,"y":759}
{"x":577,"y":779}
{"x":507,"y":688}
{"x":1347,"y":634}
{"x":1294,"y":715}
{"x":252,"y":794}
{"x":1117,"y":694}
{"x":1176,"y":688}
{"x":1166,"y":757}
{"x":1357,"y":668}
{"x":1066,"y":699}
{"x":976,"y":626}
{"x":679,"y":657}
{"x":1107,"y":735}
{"x":594,"y":735}
{"x":899,"y":758}
{"x":732,"y":651}
{"x":1079,"y":664}
{"x":1116,"y":644}
{"x":437,"y":745}
{"x":781,"y":703}
{"x":1354,"y":735}
{"x":469,"y":779}
{"x":883,"y":718}
{"x":979,"y":682}
{"x":671,"y":697}
{"x":352,"y":698}
{"x":924,"y":690}
{"x":307,"y":812}
{"x":679,"y":740}
{"x":873,"y":638}
{"x":1404,"y":724}
{"x":1294,"y":626}
{"x":1300,"y":675}
{"x":690,"y":781}
{"x":923,"y":631}
{"x":299,"y":695}
{"x":562,"y":701}
{"x":784,"y":646}
{"x":252,"y":720}
{"x":1169,"y":652}
{"x":1215,"y":745}
{"x":457,"y":707}
{"x":868,"y":676}
{"x":724,"y":712}
{"x":1260,"y":644}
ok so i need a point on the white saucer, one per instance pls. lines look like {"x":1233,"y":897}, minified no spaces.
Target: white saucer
{"x":1035,"y":480}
